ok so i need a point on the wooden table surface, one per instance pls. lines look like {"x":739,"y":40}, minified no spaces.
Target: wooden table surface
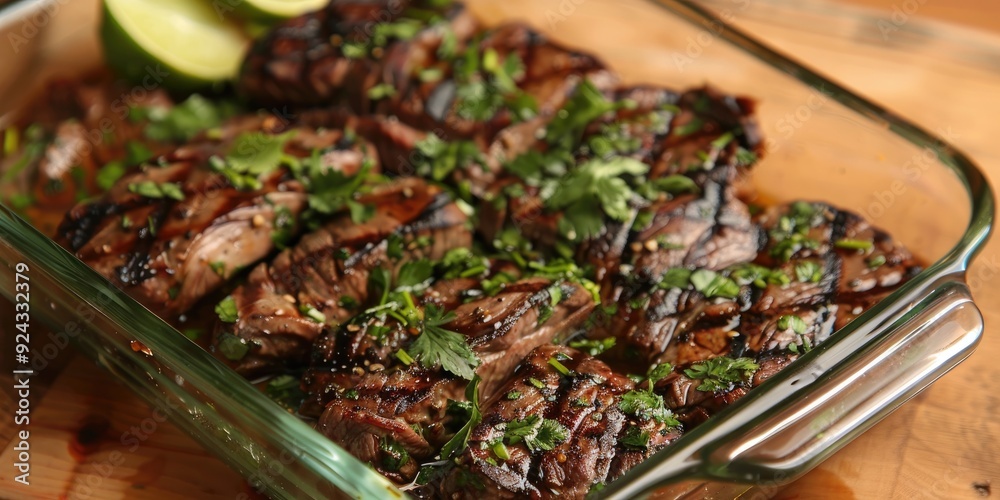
{"x":943,"y":444}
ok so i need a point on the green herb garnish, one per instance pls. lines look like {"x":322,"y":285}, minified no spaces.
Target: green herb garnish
{"x":536,"y":433}
{"x":721,"y":373}
{"x":227,"y":310}
{"x":437,"y":347}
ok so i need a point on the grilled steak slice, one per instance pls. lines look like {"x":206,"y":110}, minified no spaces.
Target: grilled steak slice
{"x":562,"y":423}
{"x":681,"y":190}
{"x":284,"y":304}
{"x":871,"y":264}
{"x":499,"y":329}
{"x":767,"y":312}
{"x":504,"y":75}
{"x":59,"y":153}
{"x":337,"y":54}
{"x":170,"y":249}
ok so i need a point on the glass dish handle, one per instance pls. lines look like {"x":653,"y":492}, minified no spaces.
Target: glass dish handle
{"x":898,"y":358}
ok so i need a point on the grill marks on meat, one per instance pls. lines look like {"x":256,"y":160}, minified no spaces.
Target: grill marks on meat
{"x":328,"y":271}
{"x":308,"y":62}
{"x":366,"y":404}
{"x":682,"y":327}
{"x":586,"y":403}
{"x":169,"y":253}
{"x":302,"y":62}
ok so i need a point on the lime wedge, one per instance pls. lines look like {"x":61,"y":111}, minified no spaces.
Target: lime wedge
{"x":177,"y":44}
{"x":266,"y":10}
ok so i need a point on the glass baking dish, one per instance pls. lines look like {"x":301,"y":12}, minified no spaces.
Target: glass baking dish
{"x":825,"y":143}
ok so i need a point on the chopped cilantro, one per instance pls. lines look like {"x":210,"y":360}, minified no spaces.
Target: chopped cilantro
{"x":192,"y":333}
{"x":227,"y":310}
{"x":136,"y":153}
{"x":797,"y":324}
{"x":184,"y":121}
{"x":253,"y":154}
{"x":437,"y":347}
{"x":677,"y":277}
{"x":438,"y":158}
{"x":109,"y":174}
{"x":647,"y":405}
{"x":759,"y":276}
{"x":381,"y":91}
{"x":394,"y":456}
{"x":592,"y":190}
{"x":415,"y":274}
{"x":721,"y":373}
{"x":218,"y":267}
{"x":635,"y":437}
{"x":536,"y":433}
{"x":331,"y":191}
{"x":658,"y":372}
{"x":712,"y":284}
{"x":583,"y":107}
{"x":808,"y":271}
{"x":876,"y":261}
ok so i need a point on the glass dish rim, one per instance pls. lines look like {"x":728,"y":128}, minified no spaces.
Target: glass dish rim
{"x":207,"y":375}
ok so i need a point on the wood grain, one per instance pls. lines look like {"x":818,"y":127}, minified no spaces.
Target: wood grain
{"x":943,"y":444}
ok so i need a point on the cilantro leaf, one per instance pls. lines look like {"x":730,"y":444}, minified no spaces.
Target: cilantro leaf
{"x":759,"y":276}
{"x":460,"y":441}
{"x":809,"y":271}
{"x":537,"y":433}
{"x":647,"y":405}
{"x":635,"y":437}
{"x":590,"y":189}
{"x":331,"y":190}
{"x":109,"y":174}
{"x":721,"y":373}
{"x":677,"y":277}
{"x":184,"y":121}
{"x":585,"y":105}
{"x":414,"y":274}
{"x":437,"y":347}
{"x":438,"y":158}
{"x":712,"y":284}
{"x":797,"y":324}
{"x":227,"y":310}
{"x":658,"y":372}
